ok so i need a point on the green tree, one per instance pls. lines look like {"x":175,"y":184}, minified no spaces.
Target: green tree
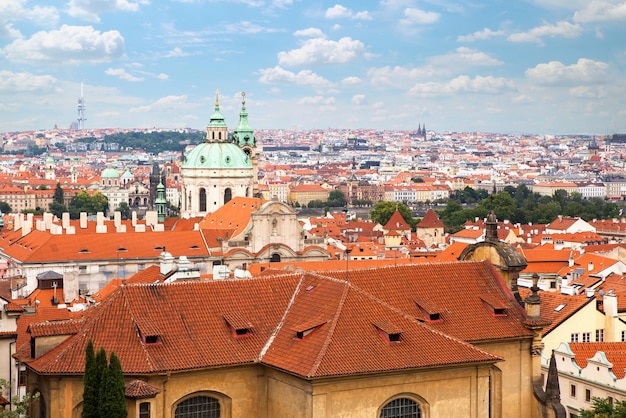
{"x":383,"y":210}
{"x":18,"y":406}
{"x":58,"y":194}
{"x":336,"y":198}
{"x":5,"y":207}
{"x":113,"y":392}
{"x":602,"y":408}
{"x":85,"y":202}
{"x":91,"y":384}
{"x":124,"y":209}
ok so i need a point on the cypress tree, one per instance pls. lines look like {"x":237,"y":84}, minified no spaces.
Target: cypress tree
{"x":91,"y":384}
{"x":113,"y":393}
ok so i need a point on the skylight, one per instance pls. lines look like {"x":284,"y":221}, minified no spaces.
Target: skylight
{"x":561,"y":306}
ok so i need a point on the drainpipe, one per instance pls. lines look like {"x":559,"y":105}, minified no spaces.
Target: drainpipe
{"x":11,"y":374}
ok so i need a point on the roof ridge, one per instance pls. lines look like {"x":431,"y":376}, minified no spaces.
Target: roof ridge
{"x":148,"y":357}
{"x":329,"y":335}
{"x":280,"y":324}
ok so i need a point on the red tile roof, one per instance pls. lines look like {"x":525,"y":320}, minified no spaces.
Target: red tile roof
{"x":188,"y":318}
{"x":430,"y":220}
{"x":615,"y":353}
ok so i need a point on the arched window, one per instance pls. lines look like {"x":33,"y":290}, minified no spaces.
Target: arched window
{"x":198,"y":406}
{"x":401,"y":408}
{"x":202,"y":200}
{"x":228,"y":195}
{"x":275,"y":258}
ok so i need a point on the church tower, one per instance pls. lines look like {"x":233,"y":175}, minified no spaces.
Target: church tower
{"x":218,"y":169}
{"x":243,"y":135}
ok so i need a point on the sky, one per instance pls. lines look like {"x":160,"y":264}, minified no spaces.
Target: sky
{"x":503,"y":66}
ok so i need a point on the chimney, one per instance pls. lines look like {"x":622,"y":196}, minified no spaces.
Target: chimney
{"x":560,"y":218}
{"x":83,"y":220}
{"x":609,"y":301}
{"x":166,"y":261}
{"x":590,"y":266}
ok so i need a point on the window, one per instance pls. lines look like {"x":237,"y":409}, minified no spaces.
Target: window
{"x":586,"y":337}
{"x":199,"y":406}
{"x":587,"y":395}
{"x":144,"y":410}
{"x":401,"y":408}
{"x":202,"y":199}
{"x":574,"y":337}
{"x":572,"y":391}
{"x":623,"y":336}
{"x":599,"y":335}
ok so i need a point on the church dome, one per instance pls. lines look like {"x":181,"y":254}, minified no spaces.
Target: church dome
{"x":217,"y":155}
{"x":110,"y":173}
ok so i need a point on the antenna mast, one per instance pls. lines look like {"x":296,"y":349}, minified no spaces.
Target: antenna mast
{"x":81,"y":108}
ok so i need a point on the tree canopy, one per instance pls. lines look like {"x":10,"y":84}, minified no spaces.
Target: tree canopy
{"x":383,"y":210}
{"x":520,"y":205}
{"x":85,"y":202}
{"x":603,"y":408}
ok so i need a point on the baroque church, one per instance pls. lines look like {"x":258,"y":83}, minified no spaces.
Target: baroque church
{"x":222,"y":167}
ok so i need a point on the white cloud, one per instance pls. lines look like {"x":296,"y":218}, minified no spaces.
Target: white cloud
{"x":122,"y":74}
{"x":555,"y":72}
{"x":11,"y":82}
{"x":317,"y":100}
{"x":12,"y":11}
{"x":90,"y":10}
{"x":463,"y":84}
{"x":480,"y":35}
{"x":167,"y":103}
{"x":341,"y":12}
{"x":162,"y":76}
{"x":310,"y":33}
{"x":399,"y":76}
{"x":176,"y":52}
{"x":414,"y":16}
{"x":560,"y":29}
{"x":323,"y":51}
{"x":68,"y":45}
{"x":351,"y":81}
{"x":465,"y":57}
{"x":358,"y":99}
{"x":602,"y":11}
{"x":588,"y":92}
{"x":304,"y":77}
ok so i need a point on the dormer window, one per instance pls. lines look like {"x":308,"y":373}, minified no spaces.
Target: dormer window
{"x":494,"y":305}
{"x":387,"y":331}
{"x":430,"y":312}
{"x":304,"y":329}
{"x":151,"y":339}
{"x":238,"y":325}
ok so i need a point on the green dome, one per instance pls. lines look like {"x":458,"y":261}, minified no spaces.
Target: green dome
{"x":110,"y":173}
{"x":222,"y":155}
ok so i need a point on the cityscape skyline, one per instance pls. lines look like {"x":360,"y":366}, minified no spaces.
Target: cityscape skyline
{"x":549,"y":67}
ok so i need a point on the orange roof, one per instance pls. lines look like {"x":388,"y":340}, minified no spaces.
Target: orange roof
{"x":615,"y":353}
{"x":430,"y":220}
{"x":397,"y":222}
{"x":343,"y":317}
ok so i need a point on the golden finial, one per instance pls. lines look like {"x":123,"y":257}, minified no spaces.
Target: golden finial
{"x":243,"y":98}
{"x":217,"y":97}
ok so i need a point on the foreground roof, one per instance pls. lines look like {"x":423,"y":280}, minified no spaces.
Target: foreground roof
{"x":309,"y":324}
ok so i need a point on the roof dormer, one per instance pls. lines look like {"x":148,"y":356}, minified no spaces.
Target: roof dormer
{"x":493,"y":305}
{"x":387,"y":331}
{"x":304,"y":329}
{"x":430,"y":312}
{"x":238,"y":324}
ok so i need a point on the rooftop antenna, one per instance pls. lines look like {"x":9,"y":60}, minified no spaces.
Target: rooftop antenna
{"x":81,"y":108}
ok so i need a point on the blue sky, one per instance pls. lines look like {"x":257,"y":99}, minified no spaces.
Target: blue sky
{"x":523,"y":66}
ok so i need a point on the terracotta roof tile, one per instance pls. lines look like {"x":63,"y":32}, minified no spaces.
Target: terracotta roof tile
{"x":138,"y":389}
